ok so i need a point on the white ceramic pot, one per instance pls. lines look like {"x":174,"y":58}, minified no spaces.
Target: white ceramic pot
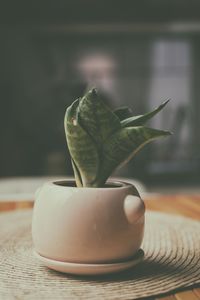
{"x":87,"y":225}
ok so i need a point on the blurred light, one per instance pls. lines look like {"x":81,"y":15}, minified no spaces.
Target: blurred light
{"x":98,"y":70}
{"x":96,"y":63}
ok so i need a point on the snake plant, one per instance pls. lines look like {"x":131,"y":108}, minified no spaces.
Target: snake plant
{"x":100,"y":140}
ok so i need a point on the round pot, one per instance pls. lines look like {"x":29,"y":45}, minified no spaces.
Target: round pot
{"x":87,"y":225}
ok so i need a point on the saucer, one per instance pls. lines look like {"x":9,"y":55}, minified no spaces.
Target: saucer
{"x":91,"y":269}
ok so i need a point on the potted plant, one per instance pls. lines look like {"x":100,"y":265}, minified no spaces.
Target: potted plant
{"x":91,"y":226}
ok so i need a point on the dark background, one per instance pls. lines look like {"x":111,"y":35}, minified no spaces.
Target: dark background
{"x":139,"y":53}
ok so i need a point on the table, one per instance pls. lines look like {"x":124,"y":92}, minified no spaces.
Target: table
{"x":185,"y":205}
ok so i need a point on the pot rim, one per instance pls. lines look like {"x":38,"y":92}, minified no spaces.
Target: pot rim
{"x":110,"y":185}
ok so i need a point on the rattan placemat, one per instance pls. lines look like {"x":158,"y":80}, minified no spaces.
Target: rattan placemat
{"x":172,"y":261}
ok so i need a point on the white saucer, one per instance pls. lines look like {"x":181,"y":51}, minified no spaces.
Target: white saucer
{"x":90,"y":269}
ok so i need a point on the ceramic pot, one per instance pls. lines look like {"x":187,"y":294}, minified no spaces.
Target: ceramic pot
{"x":87,"y":225}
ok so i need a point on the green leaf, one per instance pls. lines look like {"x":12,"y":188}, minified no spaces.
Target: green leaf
{"x":142,"y":119}
{"x":96,"y":118}
{"x":123,"y":145}
{"x":82,"y":148}
{"x":76,"y":174}
{"x":123,"y":112}
{"x":100,"y":140}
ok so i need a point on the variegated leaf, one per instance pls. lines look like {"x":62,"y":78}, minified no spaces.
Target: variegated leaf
{"x":77,"y":174}
{"x":96,"y":118}
{"x":123,"y":145}
{"x":142,"y":119}
{"x":82,"y":148}
{"x":123,"y":112}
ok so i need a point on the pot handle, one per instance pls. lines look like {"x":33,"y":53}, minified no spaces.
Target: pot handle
{"x":134,"y":208}
{"x":37,"y":192}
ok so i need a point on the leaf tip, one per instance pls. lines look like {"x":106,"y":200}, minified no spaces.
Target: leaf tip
{"x":93,"y":91}
{"x":164,"y":103}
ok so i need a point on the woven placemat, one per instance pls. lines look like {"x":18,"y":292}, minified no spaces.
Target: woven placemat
{"x":172,"y":261}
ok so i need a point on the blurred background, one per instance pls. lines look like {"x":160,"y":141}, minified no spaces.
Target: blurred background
{"x":139,"y":53}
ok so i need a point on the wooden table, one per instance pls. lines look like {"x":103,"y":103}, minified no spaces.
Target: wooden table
{"x":185,"y":205}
